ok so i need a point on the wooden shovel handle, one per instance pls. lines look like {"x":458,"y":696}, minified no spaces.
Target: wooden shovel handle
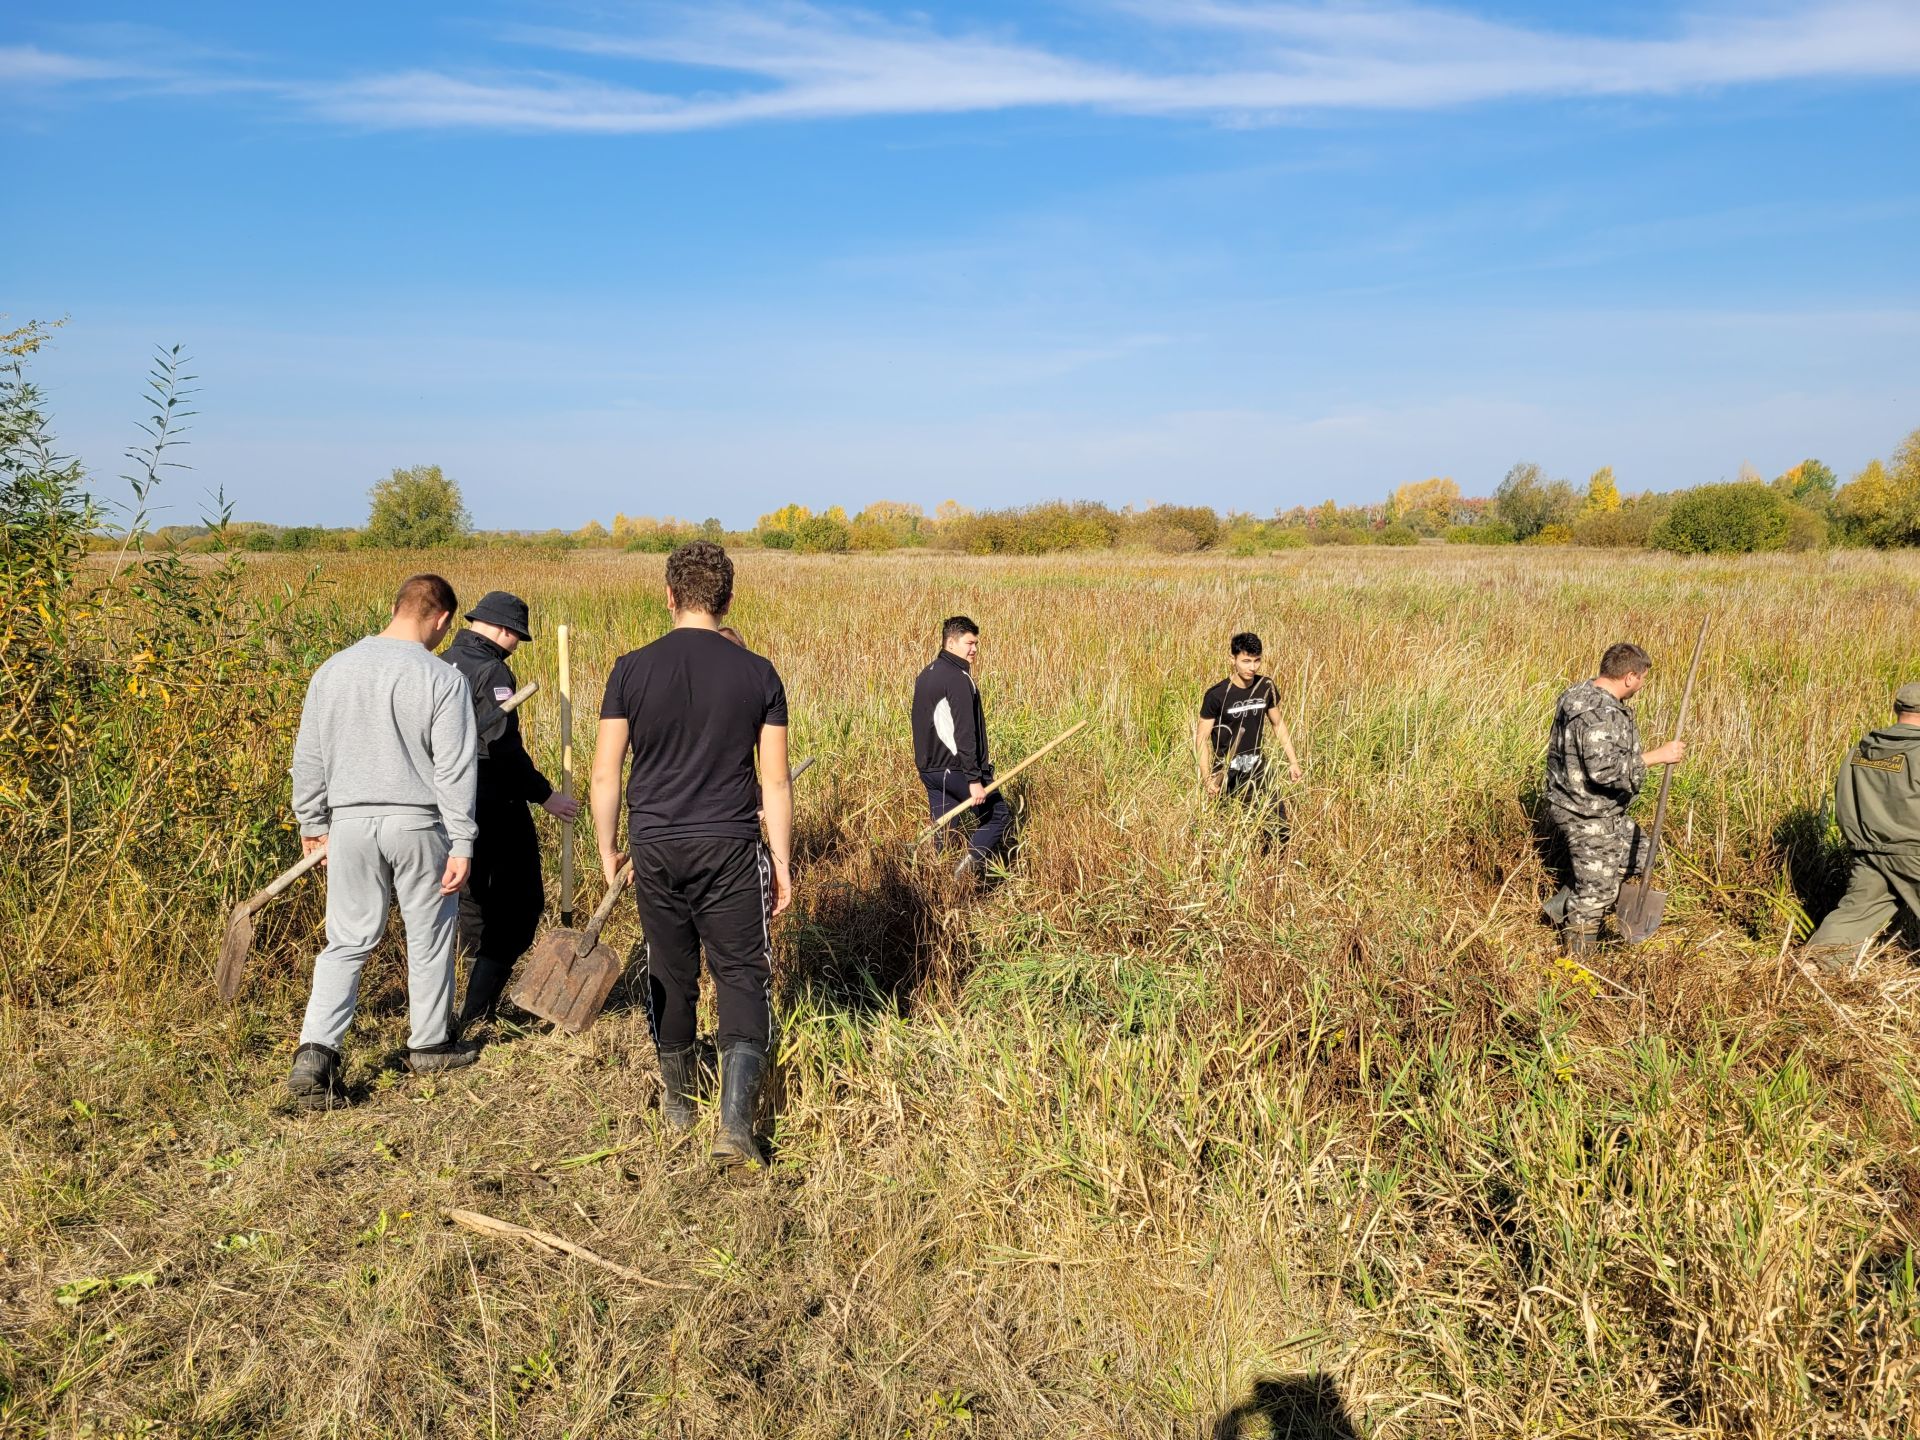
{"x":566,"y":772}
{"x":590,"y":936}
{"x":1062,"y":737}
{"x":1666,"y":774}
{"x":278,"y":885}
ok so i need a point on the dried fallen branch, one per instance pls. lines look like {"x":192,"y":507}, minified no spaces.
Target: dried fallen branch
{"x":541,"y":1240}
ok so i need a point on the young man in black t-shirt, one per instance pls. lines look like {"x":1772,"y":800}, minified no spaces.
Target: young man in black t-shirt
{"x":693,"y":710}
{"x":1235,"y":716}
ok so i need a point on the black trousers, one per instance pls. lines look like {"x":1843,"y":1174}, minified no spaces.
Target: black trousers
{"x":501,"y":907}
{"x":1256,"y":793}
{"x":946,"y":789}
{"x":697,"y":893}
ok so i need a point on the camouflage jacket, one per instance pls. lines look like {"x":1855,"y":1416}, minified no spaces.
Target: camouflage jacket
{"x":1593,"y":756}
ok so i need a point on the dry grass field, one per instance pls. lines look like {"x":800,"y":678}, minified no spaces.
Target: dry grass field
{"x":1164,"y":1136}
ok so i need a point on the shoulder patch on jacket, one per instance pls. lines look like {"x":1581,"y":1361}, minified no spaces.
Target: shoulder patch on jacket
{"x":502,"y":694}
{"x":1891,"y":762}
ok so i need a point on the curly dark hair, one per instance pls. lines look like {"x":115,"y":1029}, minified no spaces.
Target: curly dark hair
{"x":701,"y":577}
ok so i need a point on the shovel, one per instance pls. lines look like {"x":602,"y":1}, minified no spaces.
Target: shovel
{"x":569,"y":974}
{"x":1637,"y":911}
{"x":239,"y":937}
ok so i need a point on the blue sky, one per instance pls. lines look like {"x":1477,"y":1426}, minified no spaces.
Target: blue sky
{"x":704,"y":259}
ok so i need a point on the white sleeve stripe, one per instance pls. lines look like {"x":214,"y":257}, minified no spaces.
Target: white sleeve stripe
{"x":943,"y":726}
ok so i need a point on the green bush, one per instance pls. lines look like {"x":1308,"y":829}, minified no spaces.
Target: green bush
{"x":1046,"y":529}
{"x":1492,"y":532}
{"x":777,"y":539}
{"x":820,"y":535}
{"x":1288,"y":538}
{"x":1176,"y":528}
{"x":1807,"y":529}
{"x":416,"y":509}
{"x":1629,"y":527}
{"x":1399,"y":533}
{"x":1734,"y":519}
{"x":140,"y":693}
{"x":1528,"y":502}
{"x":869,"y":535}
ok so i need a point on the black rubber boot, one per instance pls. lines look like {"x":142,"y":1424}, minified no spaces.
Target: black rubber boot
{"x":485,"y":980}
{"x":743,"y":1070}
{"x":680,"y":1077}
{"x":1554,"y":908}
{"x":438,"y":1059}
{"x":1582,"y":941}
{"x":315,"y":1079}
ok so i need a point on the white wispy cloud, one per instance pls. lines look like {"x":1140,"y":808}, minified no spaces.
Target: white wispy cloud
{"x":30,"y":65}
{"x":117,"y":61}
{"x":1235,"y":62}
{"x":1241,"y":62}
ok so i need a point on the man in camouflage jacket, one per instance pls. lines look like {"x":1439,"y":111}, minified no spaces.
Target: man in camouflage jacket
{"x":1594,"y":769}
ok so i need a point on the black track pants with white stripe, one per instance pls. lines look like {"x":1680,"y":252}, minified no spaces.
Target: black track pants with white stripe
{"x":711,"y":893}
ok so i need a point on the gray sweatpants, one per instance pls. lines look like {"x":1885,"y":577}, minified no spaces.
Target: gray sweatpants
{"x":371,"y":862}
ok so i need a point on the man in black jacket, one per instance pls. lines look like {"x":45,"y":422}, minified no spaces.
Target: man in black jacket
{"x":950,"y":742}
{"x":501,"y":906}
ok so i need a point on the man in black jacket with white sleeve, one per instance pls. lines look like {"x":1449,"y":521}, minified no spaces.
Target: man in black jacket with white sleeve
{"x":950,"y":743}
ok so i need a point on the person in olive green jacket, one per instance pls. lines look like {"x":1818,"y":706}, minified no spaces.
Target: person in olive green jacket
{"x":1876,"y":801}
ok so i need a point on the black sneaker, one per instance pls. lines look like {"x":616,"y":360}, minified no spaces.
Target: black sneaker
{"x":438,"y":1059}
{"x":315,"y":1079}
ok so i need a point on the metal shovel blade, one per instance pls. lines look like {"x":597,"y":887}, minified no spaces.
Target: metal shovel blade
{"x":233,"y":951}
{"x":1636,"y":914}
{"x":559,"y":984}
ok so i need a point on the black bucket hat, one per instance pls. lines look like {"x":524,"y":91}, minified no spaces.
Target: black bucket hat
{"x":509,"y":612}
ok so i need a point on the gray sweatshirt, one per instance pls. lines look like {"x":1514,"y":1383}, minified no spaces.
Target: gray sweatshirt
{"x":387,"y":729}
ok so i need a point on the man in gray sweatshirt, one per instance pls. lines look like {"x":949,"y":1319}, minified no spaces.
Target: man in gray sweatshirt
{"x":383,"y":781}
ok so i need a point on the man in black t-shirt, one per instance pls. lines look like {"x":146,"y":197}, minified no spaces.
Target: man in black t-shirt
{"x":1230,"y":737}
{"x":693,"y":709}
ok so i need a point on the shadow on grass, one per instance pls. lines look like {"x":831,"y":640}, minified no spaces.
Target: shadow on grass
{"x":1292,"y":1407}
{"x":1548,"y":843}
{"x":868,"y":944}
{"x":1815,"y":865}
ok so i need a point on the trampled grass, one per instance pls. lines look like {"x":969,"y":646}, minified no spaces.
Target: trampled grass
{"x":1162,"y":1137}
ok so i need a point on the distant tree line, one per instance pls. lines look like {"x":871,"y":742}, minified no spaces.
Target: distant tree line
{"x":1805,"y":508}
